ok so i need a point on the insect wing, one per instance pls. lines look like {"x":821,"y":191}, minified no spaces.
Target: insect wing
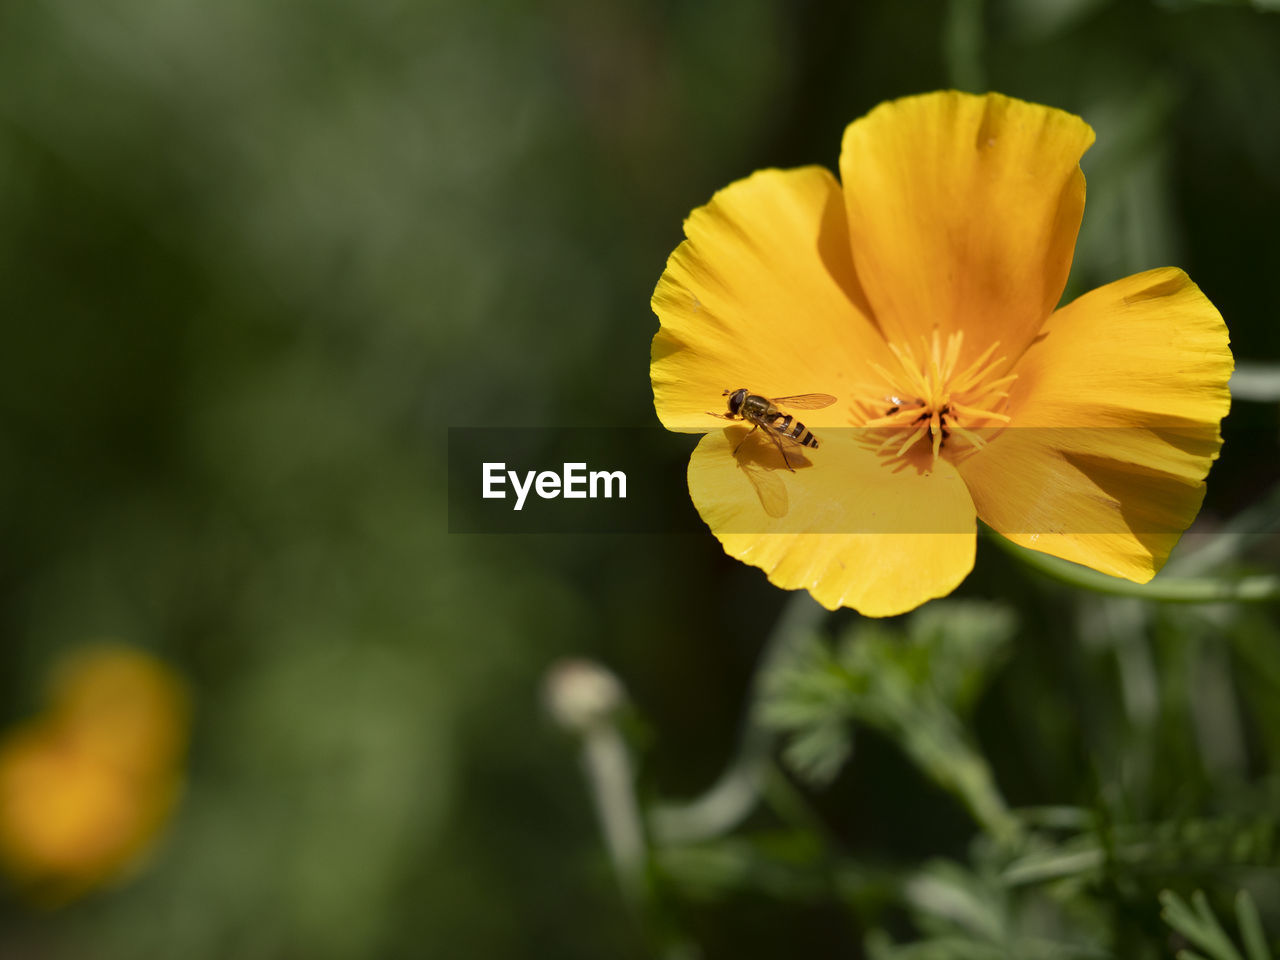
{"x":805,"y":401}
{"x":769,"y":488}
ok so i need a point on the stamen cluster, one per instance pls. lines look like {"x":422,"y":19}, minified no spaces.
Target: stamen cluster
{"x":931,"y":400}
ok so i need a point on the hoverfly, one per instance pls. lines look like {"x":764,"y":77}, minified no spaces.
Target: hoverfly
{"x":780,"y":427}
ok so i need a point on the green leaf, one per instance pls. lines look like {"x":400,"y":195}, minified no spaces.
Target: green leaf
{"x":915,"y":687}
{"x":1255,"y":942}
{"x":1198,"y":924}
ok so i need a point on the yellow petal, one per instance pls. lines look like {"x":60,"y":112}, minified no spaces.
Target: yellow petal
{"x":1115,"y":414}
{"x":845,"y":525}
{"x":761,"y":295}
{"x":963,"y":212}
{"x":123,"y":706}
{"x":69,"y":821}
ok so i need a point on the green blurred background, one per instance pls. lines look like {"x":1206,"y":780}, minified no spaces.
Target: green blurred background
{"x":255,"y":258}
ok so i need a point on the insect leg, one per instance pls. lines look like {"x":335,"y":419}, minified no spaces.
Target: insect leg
{"x":778,"y":443}
{"x":744,"y":439}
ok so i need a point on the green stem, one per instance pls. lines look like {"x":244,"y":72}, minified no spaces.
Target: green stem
{"x":607,"y":764}
{"x":1259,"y":382}
{"x":737,"y":792}
{"x":1254,"y":589}
{"x":1230,"y":541}
{"x":933,"y":736}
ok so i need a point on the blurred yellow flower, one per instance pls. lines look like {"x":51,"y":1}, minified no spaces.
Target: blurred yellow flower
{"x":922,"y":295}
{"x":86,"y":786}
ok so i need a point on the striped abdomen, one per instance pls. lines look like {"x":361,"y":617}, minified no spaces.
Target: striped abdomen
{"x":793,"y":429}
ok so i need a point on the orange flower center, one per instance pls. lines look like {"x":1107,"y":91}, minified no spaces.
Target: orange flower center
{"x":933,"y":406}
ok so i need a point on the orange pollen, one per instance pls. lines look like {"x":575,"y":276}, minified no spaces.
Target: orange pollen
{"x":933,"y":405}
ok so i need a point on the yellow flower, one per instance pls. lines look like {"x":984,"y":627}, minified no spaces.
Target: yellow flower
{"x":86,"y":787}
{"x":921,"y":295}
